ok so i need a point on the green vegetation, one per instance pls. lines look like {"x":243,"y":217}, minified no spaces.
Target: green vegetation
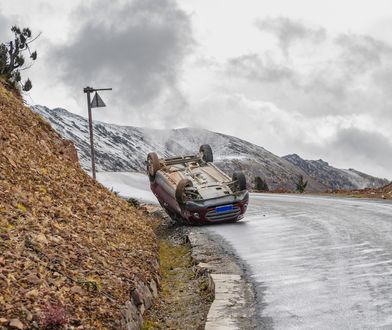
{"x":12,"y":58}
{"x":301,"y":184}
{"x":260,"y":184}
{"x":184,"y":298}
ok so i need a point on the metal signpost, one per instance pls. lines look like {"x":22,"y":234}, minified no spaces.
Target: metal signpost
{"x":95,"y":103}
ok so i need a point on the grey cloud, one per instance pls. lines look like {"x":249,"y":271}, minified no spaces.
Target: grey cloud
{"x":365,"y":148}
{"x":337,"y":80}
{"x":254,"y":67}
{"x":337,"y":85}
{"x":382,"y":78}
{"x":360,"y":52}
{"x":289,"y":31}
{"x":135,"y":47}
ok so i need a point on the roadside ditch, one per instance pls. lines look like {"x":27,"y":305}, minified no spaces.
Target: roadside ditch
{"x":203,"y":286}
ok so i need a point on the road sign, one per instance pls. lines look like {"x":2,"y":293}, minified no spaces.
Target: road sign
{"x":97,"y":101}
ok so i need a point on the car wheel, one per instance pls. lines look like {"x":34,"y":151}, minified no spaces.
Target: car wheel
{"x":206,"y":153}
{"x":240,"y":181}
{"x":153,"y":164}
{"x":180,"y":190}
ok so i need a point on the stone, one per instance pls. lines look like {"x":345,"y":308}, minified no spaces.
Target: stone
{"x":16,"y":324}
{"x":147,"y":297}
{"x":136,"y":297}
{"x":154,"y":289}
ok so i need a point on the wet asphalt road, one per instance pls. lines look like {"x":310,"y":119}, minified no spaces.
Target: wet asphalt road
{"x":317,"y":262}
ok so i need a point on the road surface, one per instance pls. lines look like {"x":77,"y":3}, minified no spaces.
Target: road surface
{"x":317,"y":262}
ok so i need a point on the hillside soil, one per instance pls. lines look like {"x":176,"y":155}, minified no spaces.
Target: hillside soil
{"x":71,"y":251}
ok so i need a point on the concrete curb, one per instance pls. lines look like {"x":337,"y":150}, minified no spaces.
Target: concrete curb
{"x":230,"y":309}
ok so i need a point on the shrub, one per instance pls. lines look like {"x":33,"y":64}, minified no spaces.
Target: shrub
{"x":12,"y":59}
{"x":260,"y":184}
{"x":301,"y":184}
{"x":133,"y":202}
{"x":54,"y":316}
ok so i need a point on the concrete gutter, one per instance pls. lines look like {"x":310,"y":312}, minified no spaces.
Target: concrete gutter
{"x":234,"y":303}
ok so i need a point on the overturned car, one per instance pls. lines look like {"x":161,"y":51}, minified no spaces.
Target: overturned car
{"x":192,"y":190}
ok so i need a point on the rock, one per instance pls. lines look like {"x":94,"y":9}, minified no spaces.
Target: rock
{"x":3,"y":320}
{"x":16,"y":324}
{"x":154,"y":289}
{"x":136,"y":297}
{"x":147,"y":296}
{"x":2,"y":261}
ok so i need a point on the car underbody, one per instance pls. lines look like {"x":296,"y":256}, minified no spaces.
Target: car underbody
{"x":193,"y":190}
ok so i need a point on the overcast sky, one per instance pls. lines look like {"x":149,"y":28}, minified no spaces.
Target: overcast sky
{"x":307,"y":77}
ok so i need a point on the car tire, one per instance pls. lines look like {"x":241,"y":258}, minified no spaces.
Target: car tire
{"x":153,"y":165}
{"x":206,"y":153}
{"x":240,"y":179}
{"x":180,"y":190}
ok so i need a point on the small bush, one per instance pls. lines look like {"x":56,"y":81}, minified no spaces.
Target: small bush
{"x":13,"y":60}
{"x":260,"y":184}
{"x":133,"y":202}
{"x":301,"y":184}
{"x":54,"y":316}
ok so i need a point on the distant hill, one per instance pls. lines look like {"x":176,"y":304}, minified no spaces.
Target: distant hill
{"x":124,"y":148}
{"x":335,"y":178}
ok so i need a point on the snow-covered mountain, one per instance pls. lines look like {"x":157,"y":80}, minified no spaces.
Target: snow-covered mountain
{"x":335,"y":178}
{"x":124,"y":148}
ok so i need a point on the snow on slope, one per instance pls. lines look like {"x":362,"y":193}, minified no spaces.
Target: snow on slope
{"x":128,"y":185}
{"x":124,"y":148}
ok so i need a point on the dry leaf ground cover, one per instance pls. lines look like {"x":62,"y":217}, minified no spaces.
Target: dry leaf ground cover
{"x":71,"y":251}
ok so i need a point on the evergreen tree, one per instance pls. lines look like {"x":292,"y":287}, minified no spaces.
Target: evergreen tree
{"x":12,"y":57}
{"x":301,"y":184}
{"x":260,"y":184}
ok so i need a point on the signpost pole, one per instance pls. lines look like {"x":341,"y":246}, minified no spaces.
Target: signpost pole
{"x":88,"y":90}
{"x":97,"y":103}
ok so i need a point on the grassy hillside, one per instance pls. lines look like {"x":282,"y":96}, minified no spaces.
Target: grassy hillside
{"x":71,"y":251}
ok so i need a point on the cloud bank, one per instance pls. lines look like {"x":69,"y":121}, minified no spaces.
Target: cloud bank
{"x":137,"y":47}
{"x":331,"y":92}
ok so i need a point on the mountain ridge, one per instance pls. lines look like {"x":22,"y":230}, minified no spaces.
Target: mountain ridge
{"x":124,"y":148}
{"x":333,"y":177}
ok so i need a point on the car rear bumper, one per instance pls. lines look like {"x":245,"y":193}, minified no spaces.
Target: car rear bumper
{"x":205,"y":211}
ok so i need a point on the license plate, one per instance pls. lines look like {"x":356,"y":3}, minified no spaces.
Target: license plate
{"x":222,"y":209}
